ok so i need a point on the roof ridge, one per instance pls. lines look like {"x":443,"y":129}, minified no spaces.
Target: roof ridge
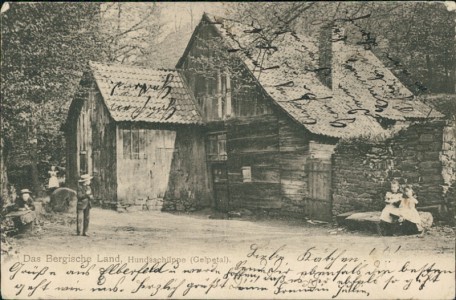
{"x":216,"y":17}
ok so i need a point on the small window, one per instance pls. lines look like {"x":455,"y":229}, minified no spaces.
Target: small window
{"x":83,"y":162}
{"x":135,"y":144}
{"x":134,"y":140}
{"x":246,"y":174}
{"x":126,"y":139}
{"x":142,"y":141}
{"x":216,"y":147}
{"x":96,"y":162}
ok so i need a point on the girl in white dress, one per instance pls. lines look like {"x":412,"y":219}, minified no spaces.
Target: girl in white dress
{"x":392,"y":200}
{"x":388,"y":217}
{"x":53,"y":180}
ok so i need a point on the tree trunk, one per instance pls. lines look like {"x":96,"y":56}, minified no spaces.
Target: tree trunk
{"x":34,"y":171}
{"x":453,"y":69}
{"x":3,"y":175}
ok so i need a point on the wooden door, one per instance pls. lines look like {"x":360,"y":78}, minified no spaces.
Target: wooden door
{"x":318,"y":204}
{"x":220,"y":186}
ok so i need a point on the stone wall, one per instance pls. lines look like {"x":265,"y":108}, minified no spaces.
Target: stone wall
{"x":362,"y":170}
{"x":448,"y":154}
{"x":448,"y":159}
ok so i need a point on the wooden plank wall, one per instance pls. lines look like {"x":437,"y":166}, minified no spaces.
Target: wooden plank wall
{"x":71,"y":175}
{"x":74,"y":132}
{"x":188,"y":186}
{"x":294,"y":151}
{"x":147,"y":177}
{"x":84,"y":132}
{"x":103,"y":169}
{"x":305,"y":175}
{"x":254,"y":142}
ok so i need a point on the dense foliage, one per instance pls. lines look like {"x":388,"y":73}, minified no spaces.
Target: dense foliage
{"x":45,"y":48}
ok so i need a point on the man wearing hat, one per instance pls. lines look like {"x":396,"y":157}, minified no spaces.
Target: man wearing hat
{"x":25,"y":202}
{"x":83,"y":205}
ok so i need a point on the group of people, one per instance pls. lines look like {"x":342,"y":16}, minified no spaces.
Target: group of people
{"x":25,"y":200}
{"x":84,"y":196}
{"x":400,"y":215}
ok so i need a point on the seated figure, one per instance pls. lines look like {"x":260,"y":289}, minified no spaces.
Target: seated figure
{"x":25,"y":202}
{"x":389,"y":214}
{"x":409,"y":218}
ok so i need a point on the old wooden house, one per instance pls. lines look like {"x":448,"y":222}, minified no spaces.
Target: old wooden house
{"x":246,"y":121}
{"x":136,"y":131}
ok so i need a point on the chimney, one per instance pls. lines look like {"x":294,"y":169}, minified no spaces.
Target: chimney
{"x":332,"y":36}
{"x":325,"y":55}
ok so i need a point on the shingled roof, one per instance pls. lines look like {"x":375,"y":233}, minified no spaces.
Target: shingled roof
{"x":140,"y":94}
{"x":288,"y":75}
{"x":358,"y":74}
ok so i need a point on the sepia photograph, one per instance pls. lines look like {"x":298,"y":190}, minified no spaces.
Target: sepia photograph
{"x":228,"y":150}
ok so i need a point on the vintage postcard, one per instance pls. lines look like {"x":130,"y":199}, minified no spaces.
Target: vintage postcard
{"x":228,"y":150}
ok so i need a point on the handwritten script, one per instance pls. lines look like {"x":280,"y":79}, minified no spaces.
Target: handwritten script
{"x":143,"y":90}
{"x":260,"y":271}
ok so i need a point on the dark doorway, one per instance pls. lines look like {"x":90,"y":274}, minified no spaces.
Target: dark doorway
{"x":220,"y":186}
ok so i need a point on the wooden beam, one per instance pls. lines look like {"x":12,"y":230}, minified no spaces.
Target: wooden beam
{"x":228,"y":95}
{"x":219,"y":95}
{"x":208,"y":99}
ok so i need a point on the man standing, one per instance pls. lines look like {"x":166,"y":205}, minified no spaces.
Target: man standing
{"x":83,"y":206}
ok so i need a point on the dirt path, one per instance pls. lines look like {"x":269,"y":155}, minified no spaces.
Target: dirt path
{"x":157,"y":231}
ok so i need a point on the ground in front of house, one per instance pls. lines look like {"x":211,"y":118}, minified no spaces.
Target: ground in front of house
{"x":182,"y":235}
{"x":163,"y":231}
